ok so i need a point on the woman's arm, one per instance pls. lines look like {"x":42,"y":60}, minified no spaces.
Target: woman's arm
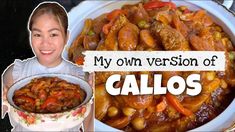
{"x":7,"y":81}
{"x":89,"y":121}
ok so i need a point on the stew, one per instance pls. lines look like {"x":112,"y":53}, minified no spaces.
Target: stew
{"x":158,"y":26}
{"x":48,"y":95}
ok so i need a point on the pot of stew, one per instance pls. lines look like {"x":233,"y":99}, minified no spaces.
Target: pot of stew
{"x":158,"y":26}
{"x":50,"y":102}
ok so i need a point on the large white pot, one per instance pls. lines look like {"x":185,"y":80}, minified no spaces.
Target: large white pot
{"x":51,"y":121}
{"x":92,"y":9}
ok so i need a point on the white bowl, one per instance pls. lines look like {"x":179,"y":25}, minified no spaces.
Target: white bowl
{"x":51,"y":121}
{"x":92,"y":9}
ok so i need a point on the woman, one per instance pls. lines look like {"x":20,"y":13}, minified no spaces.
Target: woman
{"x":48,"y":27}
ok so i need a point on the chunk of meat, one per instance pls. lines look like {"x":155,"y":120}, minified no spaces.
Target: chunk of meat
{"x":201,"y":17}
{"x":136,"y":101}
{"x":128,"y":37}
{"x":219,"y":46}
{"x":173,"y":39}
{"x":147,"y":39}
{"x":180,"y":26}
{"x":195,"y":103}
{"x":181,"y":124}
{"x":90,"y":42}
{"x":52,"y":104}
{"x":119,"y":122}
{"x":25,"y":102}
{"x":111,"y":39}
{"x":200,"y":44}
{"x":42,"y":94}
{"x":136,"y":13}
{"x":164,"y":15}
{"x":102,"y":101}
{"x":99,"y":22}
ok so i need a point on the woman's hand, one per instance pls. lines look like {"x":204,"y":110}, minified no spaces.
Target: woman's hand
{"x":7,"y":81}
{"x":91,"y":79}
{"x":5,"y":109}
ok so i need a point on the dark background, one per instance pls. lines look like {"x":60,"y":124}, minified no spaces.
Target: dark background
{"x":14,"y":38}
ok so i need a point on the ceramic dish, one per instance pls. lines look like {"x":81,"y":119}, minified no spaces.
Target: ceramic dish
{"x":53,"y":121}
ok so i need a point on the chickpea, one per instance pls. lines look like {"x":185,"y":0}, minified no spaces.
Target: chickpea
{"x":210,"y":75}
{"x":37,"y":102}
{"x":217,"y":35}
{"x":128,"y":111}
{"x":223,"y":84}
{"x":224,"y":41}
{"x":143,"y":24}
{"x":231,"y":55}
{"x":112,"y":111}
{"x":64,"y":108}
{"x":138,"y":123}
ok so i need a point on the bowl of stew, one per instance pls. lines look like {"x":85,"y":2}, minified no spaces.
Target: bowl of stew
{"x":50,"y":101}
{"x":164,"y":26}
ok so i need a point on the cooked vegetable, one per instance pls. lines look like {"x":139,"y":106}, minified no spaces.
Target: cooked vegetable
{"x":114,"y":14}
{"x":232,"y":55}
{"x":177,"y":105}
{"x":79,"y":60}
{"x":158,"y":4}
{"x":161,"y":106}
{"x":143,"y":24}
{"x":112,"y":111}
{"x":138,"y":123}
{"x":128,"y":111}
{"x":90,"y":33}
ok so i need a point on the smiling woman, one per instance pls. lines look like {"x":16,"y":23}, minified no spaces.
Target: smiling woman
{"x":48,"y":37}
{"x":48,"y":28}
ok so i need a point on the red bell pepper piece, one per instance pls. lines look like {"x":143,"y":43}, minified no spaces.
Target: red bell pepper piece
{"x":111,"y":17}
{"x":80,"y":60}
{"x":48,"y":101}
{"x":186,"y":11}
{"x":115,"y":13}
{"x":158,"y":4}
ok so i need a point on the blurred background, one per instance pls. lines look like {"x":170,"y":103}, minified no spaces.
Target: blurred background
{"x":14,"y":38}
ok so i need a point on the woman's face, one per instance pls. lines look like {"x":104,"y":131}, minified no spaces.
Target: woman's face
{"x":48,"y":40}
